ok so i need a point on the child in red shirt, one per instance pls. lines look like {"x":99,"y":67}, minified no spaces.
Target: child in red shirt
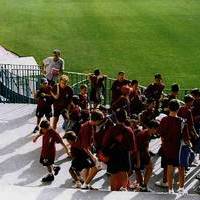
{"x":44,"y":102}
{"x":62,"y":94}
{"x":81,"y":158}
{"x":118,"y":146}
{"x":48,"y":152}
{"x":143,"y":139}
{"x":171,"y":133}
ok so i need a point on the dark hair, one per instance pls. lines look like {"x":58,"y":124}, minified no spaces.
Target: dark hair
{"x":44,"y":124}
{"x":70,"y":135}
{"x":121,"y":73}
{"x":188,"y":98}
{"x":133,"y":82}
{"x":57,"y":52}
{"x":174,"y":87}
{"x":121,"y":115}
{"x":43,"y":80}
{"x":97,"y":115}
{"x":153,"y":124}
{"x":157,"y":76}
{"x":174,"y":105}
{"x":76,"y":99}
{"x":83,"y":86}
{"x":96,"y":72}
{"x":195,"y":91}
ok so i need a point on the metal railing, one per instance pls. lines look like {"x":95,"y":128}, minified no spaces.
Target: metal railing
{"x":76,"y":80}
{"x":19,"y":82}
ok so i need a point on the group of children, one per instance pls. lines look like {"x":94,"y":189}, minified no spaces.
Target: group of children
{"x":117,"y":137}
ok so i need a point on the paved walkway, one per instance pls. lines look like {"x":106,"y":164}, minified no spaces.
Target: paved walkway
{"x":21,"y":172}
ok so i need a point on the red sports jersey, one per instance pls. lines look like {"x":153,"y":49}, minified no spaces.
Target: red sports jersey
{"x":86,"y":135}
{"x":48,"y":144}
{"x":65,"y":97}
{"x":170,"y":132}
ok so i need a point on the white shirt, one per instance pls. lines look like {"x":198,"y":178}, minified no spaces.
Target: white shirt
{"x":50,"y":64}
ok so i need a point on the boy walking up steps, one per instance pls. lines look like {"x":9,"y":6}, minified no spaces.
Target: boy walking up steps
{"x":48,"y":152}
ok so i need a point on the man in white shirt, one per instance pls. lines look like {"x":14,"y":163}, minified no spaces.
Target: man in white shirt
{"x":53,"y":67}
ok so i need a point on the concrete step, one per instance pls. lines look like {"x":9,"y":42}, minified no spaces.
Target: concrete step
{"x":52,"y":193}
{"x":20,"y":167}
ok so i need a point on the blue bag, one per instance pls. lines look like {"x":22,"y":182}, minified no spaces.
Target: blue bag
{"x":186,"y":155}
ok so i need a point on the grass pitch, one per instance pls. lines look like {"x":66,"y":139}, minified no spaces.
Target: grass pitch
{"x":141,"y":37}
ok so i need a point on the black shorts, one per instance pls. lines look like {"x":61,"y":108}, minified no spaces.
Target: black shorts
{"x":79,"y":164}
{"x":47,"y":111}
{"x":144,"y":160}
{"x":173,"y":161}
{"x":119,"y":160}
{"x":46,"y":161}
{"x":163,"y":158}
{"x":58,"y":112}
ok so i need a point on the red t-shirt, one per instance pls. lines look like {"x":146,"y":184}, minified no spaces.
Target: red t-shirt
{"x":122,"y":102}
{"x":116,"y":88}
{"x":196,"y":110}
{"x":83,"y":101}
{"x":96,"y":81}
{"x":100,"y":132}
{"x":120,"y":134}
{"x":75,"y":149}
{"x":146,"y":116}
{"x":136,"y":104}
{"x":43,"y":102}
{"x":86,"y":135}
{"x":154,"y":91}
{"x":143,"y":139}
{"x":48,"y":143}
{"x":170,"y":132}
{"x":186,"y":113}
{"x":64,"y":99}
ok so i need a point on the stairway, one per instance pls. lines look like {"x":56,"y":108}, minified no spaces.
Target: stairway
{"x":21,"y":172}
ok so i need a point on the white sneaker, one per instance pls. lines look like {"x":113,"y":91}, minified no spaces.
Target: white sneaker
{"x":171,"y":191}
{"x":182,"y":191}
{"x":161,"y":184}
{"x":85,"y":186}
{"x":123,"y":189}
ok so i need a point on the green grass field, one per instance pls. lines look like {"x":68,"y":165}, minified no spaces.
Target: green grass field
{"x":140,"y":37}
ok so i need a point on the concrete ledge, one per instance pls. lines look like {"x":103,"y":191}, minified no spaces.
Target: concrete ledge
{"x":49,"y":193}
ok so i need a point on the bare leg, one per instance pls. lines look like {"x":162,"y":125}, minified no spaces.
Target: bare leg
{"x":170,"y":174}
{"x":118,"y":180}
{"x":55,"y":121}
{"x":148,"y":173}
{"x":92,"y":173}
{"x":181,"y":171}
{"x":85,"y":174}
{"x":50,"y":169}
{"x":75,"y":175}
{"x":139,"y":176}
{"x":165,"y":175}
{"x":38,"y":120}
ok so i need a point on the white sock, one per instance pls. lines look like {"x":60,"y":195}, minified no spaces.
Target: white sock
{"x":171,"y":191}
